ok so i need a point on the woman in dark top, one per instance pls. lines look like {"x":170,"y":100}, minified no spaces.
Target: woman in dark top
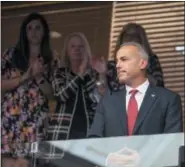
{"x":26,"y":87}
{"x":133,"y":32}
{"x":74,"y":86}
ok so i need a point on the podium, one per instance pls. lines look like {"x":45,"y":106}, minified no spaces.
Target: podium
{"x":154,"y":151}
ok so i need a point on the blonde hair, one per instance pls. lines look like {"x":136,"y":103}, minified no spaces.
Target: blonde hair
{"x":87,"y":47}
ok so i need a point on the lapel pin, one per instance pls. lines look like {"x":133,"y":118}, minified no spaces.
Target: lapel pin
{"x":153,"y":95}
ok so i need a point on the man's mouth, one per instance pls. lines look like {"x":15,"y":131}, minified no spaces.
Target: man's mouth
{"x":121,"y":72}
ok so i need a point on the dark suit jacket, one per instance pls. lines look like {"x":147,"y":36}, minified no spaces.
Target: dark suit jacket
{"x":160,"y":112}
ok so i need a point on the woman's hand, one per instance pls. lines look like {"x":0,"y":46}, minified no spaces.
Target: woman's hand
{"x":37,"y":67}
{"x":99,"y":64}
{"x":38,"y":70}
{"x":26,"y":76}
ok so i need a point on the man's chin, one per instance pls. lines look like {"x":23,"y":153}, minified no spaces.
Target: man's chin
{"x":122,"y":80}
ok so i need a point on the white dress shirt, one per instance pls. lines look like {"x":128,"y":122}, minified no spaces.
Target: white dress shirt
{"x":139,"y":95}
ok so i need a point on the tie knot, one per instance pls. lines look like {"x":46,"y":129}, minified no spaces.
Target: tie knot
{"x":133,"y":92}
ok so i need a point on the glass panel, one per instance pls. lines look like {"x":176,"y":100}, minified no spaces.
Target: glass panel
{"x":153,"y":150}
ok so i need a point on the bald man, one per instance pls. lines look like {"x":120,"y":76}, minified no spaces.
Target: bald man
{"x":138,"y":108}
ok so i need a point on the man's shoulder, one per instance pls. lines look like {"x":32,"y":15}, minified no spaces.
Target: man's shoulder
{"x":164,"y":92}
{"x":160,"y":91}
{"x":110,"y":95}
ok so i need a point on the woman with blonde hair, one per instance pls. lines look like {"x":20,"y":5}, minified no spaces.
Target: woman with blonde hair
{"x":74,"y":87}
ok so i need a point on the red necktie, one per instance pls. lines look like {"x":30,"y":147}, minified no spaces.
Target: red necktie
{"x":132,"y":111}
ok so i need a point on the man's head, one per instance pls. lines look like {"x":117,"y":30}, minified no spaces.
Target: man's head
{"x":132,"y":61}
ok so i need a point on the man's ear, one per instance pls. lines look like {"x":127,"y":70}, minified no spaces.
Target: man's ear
{"x":143,"y":64}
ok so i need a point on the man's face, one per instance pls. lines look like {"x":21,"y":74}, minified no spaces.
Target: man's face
{"x":130,"y":64}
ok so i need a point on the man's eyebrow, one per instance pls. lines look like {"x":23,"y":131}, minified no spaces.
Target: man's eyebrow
{"x":123,"y":56}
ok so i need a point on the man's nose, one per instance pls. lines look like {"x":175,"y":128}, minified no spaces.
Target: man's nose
{"x":118,"y":65}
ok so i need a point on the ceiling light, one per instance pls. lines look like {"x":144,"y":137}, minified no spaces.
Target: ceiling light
{"x":55,"y":34}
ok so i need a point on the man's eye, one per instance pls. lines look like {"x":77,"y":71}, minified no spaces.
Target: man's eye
{"x":123,"y":59}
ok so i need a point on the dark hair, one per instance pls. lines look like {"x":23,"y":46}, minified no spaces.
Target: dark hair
{"x":21,"y":53}
{"x":133,"y":32}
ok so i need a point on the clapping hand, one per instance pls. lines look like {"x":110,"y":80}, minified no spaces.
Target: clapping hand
{"x":37,"y":69}
{"x":98,"y":64}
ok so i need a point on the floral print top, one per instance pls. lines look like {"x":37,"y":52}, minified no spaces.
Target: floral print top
{"x":23,"y":111}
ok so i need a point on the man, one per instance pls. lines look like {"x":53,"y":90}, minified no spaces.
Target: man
{"x":139,"y":108}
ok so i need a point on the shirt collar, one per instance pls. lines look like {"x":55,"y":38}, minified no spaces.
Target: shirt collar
{"x":141,"y":88}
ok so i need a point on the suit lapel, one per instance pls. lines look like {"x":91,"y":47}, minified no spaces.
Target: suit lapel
{"x":120,"y":106}
{"x":146,"y":105}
